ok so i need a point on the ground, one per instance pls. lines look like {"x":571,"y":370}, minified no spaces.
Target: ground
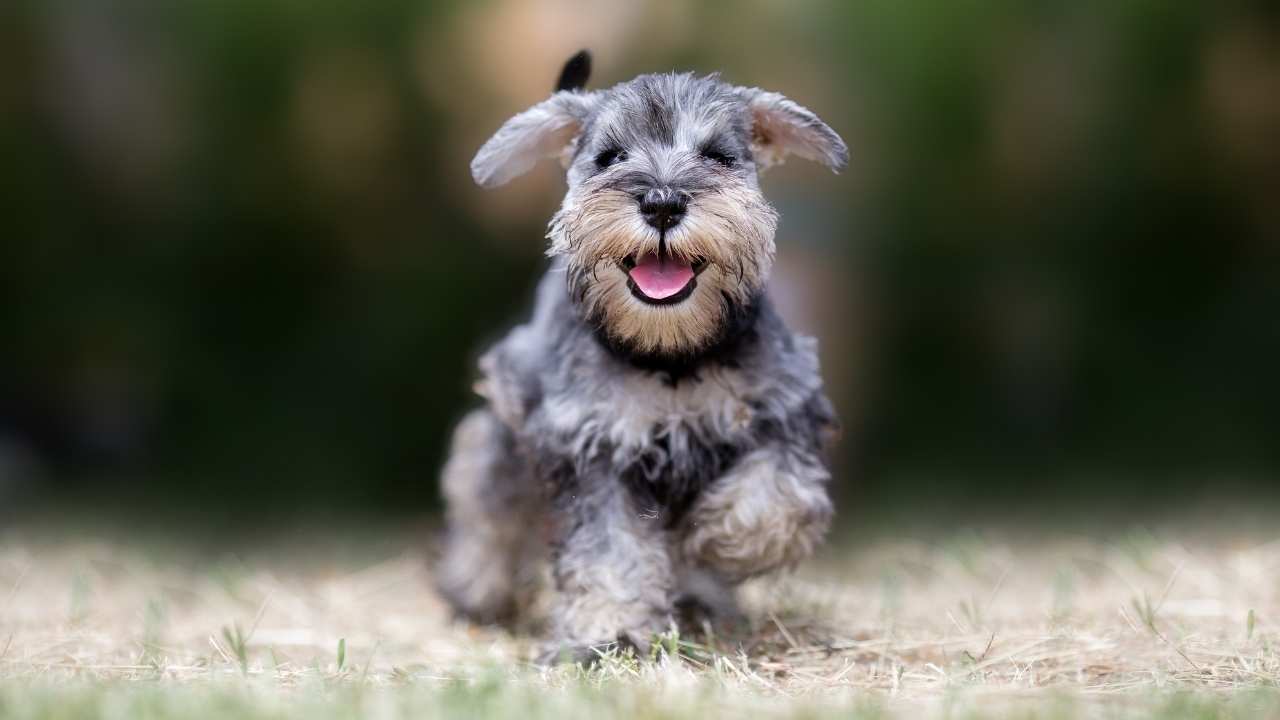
{"x":332,"y":624}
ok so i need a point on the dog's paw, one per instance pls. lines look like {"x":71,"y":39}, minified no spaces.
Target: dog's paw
{"x":763,"y":515}
{"x":589,"y":655}
{"x":569,"y":654}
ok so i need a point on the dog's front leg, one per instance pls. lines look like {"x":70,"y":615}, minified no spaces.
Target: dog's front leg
{"x":768,"y":511}
{"x":613,"y":574}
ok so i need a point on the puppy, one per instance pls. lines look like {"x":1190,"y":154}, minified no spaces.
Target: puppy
{"x":655,"y":430}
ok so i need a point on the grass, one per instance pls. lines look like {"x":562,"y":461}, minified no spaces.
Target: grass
{"x":1138,"y":625}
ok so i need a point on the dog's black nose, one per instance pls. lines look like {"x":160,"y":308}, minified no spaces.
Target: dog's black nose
{"x":663,"y":207}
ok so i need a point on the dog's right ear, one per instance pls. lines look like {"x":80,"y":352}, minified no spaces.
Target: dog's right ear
{"x":544,"y":130}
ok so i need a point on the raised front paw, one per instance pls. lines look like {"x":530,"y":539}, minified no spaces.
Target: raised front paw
{"x":770,"y":511}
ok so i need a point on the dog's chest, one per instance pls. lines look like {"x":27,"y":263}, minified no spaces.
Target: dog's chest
{"x":640,"y":413}
{"x":666,"y":441}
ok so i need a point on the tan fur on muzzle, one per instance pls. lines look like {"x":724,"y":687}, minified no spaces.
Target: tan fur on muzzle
{"x":731,"y":229}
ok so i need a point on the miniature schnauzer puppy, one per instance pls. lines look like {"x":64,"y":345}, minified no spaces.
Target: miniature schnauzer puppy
{"x":654,"y":430}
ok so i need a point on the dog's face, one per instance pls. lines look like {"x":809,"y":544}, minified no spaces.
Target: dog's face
{"x":666,"y":234}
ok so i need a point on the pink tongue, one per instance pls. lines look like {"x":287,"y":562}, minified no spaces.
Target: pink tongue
{"x":661,"y":279}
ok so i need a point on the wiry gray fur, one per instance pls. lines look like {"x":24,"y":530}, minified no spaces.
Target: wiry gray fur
{"x":660,"y":453}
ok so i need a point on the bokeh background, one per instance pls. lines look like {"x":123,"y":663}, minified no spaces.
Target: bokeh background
{"x":244,"y":272}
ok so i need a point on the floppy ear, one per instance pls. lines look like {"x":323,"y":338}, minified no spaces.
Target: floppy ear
{"x":781,"y":127}
{"x":544,"y":130}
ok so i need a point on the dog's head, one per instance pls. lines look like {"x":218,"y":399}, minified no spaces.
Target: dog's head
{"x":666,"y":234}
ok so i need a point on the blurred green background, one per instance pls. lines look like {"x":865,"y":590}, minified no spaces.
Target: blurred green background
{"x":243,"y":268}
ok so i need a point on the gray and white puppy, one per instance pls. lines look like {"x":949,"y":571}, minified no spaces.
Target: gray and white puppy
{"x":655,"y":430}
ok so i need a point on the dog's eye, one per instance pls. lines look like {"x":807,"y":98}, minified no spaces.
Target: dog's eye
{"x":719,"y":156}
{"x":609,"y":157}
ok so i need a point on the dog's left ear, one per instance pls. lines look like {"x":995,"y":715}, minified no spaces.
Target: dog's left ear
{"x":781,"y":127}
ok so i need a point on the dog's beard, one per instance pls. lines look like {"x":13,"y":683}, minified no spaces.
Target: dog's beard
{"x":727,"y":234}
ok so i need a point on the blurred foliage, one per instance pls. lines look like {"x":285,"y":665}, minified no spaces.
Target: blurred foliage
{"x":242,"y":265}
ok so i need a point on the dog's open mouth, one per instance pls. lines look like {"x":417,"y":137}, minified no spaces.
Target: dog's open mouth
{"x":661,"y":279}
